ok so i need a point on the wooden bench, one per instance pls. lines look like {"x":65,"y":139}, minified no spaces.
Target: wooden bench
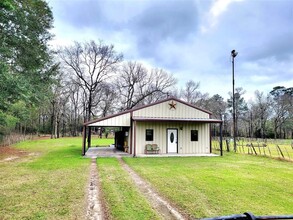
{"x":151,"y":149}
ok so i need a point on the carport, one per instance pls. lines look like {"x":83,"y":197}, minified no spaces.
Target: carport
{"x":122,"y":136}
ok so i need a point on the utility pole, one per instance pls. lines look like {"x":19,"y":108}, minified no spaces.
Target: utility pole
{"x":233,"y":55}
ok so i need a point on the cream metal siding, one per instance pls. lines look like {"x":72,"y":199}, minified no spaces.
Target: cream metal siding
{"x":118,"y":121}
{"x":163,"y":110}
{"x":185,"y":145}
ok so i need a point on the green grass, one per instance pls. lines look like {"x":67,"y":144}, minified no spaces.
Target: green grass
{"x":98,"y":142}
{"x":215,"y":186}
{"x":122,"y":197}
{"x":48,"y":185}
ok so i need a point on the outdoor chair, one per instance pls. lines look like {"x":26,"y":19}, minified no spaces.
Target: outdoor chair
{"x":156,"y":149}
{"x":148,"y":148}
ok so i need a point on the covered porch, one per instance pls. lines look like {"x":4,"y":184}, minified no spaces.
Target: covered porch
{"x":122,"y":134}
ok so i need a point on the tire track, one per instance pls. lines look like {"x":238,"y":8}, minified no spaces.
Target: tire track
{"x":163,"y":208}
{"x":94,"y":205}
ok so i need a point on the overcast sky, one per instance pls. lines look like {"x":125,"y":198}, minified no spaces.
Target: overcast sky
{"x":192,"y":39}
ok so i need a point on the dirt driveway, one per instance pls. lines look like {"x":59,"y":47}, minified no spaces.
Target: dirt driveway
{"x":95,"y":208}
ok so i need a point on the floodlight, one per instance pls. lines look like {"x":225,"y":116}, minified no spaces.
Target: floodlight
{"x":234,"y":53}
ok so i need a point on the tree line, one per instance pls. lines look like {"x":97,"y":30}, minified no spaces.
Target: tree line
{"x":56,"y":91}
{"x":27,"y":67}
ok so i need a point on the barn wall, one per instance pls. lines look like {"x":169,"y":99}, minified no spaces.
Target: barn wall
{"x":163,"y":110}
{"x":185,"y":145}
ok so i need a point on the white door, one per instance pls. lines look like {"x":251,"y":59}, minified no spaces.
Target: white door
{"x":172,"y":140}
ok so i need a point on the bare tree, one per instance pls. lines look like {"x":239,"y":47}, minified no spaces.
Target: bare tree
{"x":282,"y":107}
{"x":259,"y":114}
{"x":75,"y":105}
{"x":108,"y":99}
{"x":161,"y":84}
{"x":59,"y":100}
{"x":137,"y":86}
{"x":192,"y":95}
{"x":92,"y":63}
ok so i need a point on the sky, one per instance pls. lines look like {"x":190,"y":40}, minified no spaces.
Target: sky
{"x":191,"y":39}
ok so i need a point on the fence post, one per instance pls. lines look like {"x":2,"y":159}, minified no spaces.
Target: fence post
{"x":269,"y":151}
{"x":248,"y":148}
{"x":253,"y":149}
{"x":258,"y":148}
{"x":287,"y":153}
{"x":278,"y":148}
{"x":264,"y":149}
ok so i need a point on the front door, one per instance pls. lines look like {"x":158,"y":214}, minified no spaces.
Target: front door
{"x":172,"y":140}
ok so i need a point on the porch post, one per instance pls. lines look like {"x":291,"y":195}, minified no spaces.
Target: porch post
{"x":210,"y":128}
{"x":131,"y":133}
{"x":83,"y":140}
{"x":221,"y":138}
{"x":89,"y":137}
{"x":134,"y":138}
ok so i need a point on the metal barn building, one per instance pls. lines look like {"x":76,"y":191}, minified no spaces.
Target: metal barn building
{"x":170,"y":126}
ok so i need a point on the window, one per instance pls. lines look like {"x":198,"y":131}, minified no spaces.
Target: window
{"x":194,"y":135}
{"x":149,"y":135}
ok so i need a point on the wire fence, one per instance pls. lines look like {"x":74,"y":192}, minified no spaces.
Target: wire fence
{"x":274,"y":148}
{"x":14,"y":138}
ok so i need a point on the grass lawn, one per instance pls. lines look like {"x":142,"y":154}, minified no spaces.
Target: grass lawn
{"x":48,"y":183}
{"x":101,"y":142}
{"x":122,"y":198}
{"x":215,"y":186}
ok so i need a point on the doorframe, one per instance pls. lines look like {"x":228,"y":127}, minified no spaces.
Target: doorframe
{"x":167,"y":141}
